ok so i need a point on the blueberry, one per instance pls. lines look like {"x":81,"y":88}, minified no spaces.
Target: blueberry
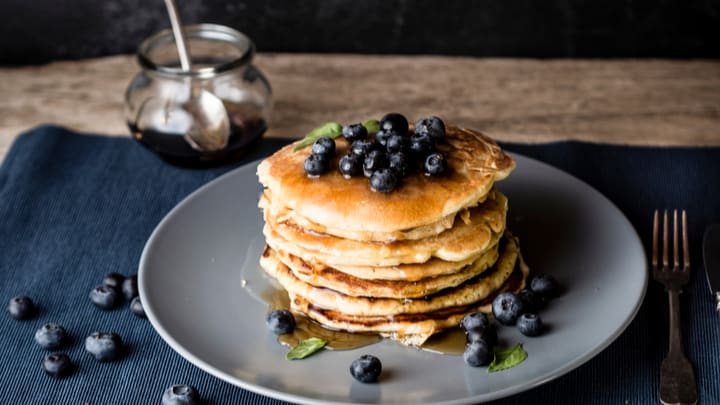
{"x":475,"y":321}
{"x":181,"y":394}
{"x":281,"y":321}
{"x":354,"y":132}
{"x":435,"y":164}
{"x":130,"y":287}
{"x":362,"y":147}
{"x":366,"y":368}
{"x":350,"y":165}
{"x":488,"y":335}
{"x":315,"y":165}
{"x":478,"y":353}
{"x":21,"y":307}
{"x":113,"y":280}
{"x":432,"y":126}
{"x":396,"y":143}
{"x":394,"y":122}
{"x":530,"y":324}
{"x":507,"y":307}
{"x":105,"y":297}
{"x":324,"y":146}
{"x":374,"y":161}
{"x":532,"y":300}
{"x":105,"y":346}
{"x":399,"y":163}
{"x":545,"y":285}
{"x":383,"y":180}
{"x":51,"y":336}
{"x":57,"y":364}
{"x":136,"y":307}
{"x":382,"y":137}
{"x":421,"y":145}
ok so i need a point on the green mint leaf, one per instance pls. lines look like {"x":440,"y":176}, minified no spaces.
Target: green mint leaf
{"x":507,"y":358}
{"x":305,"y":348}
{"x":331,"y":129}
{"x":372,"y":126}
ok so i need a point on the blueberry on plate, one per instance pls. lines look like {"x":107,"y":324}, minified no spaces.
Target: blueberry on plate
{"x":530,"y":324}
{"x":374,"y":160}
{"x":324,"y":146}
{"x":435,"y":164}
{"x":181,"y":394}
{"x":475,"y":321}
{"x":488,"y":335}
{"x":21,"y":307}
{"x":281,"y":321}
{"x":395,"y":143}
{"x":104,"y":346}
{"x":51,"y":336}
{"x":105,"y":297}
{"x":366,"y":368}
{"x":315,"y":165}
{"x":421,"y":145}
{"x":136,"y":307}
{"x":399,"y":163}
{"x":478,"y":353}
{"x":130,"y":287}
{"x":394,"y":122}
{"x":362,"y":147}
{"x":507,"y":307}
{"x":545,"y":285}
{"x":432,"y":126}
{"x":57,"y":364}
{"x":383,"y":180}
{"x":354,"y":132}
{"x":533,"y":301}
{"x":351,"y":165}
{"x":113,"y":280}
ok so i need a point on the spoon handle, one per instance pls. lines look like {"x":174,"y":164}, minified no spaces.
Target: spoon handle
{"x":179,"y":35}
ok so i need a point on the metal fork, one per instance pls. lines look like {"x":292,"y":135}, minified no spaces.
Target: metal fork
{"x":677,"y":379}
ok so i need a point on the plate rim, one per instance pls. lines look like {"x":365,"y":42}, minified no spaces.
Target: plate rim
{"x":285,"y":396}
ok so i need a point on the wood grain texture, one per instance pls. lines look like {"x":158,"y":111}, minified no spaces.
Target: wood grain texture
{"x":640,"y":102}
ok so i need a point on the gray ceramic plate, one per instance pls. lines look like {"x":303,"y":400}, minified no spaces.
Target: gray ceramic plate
{"x":197,"y":260}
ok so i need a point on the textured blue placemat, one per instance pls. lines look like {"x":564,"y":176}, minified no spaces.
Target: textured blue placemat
{"x":75,"y":207}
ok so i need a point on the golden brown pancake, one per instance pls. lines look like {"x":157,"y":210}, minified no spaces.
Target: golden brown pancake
{"x":408,"y":329}
{"x":287,"y":215}
{"x":466,"y":293}
{"x":327,"y":277}
{"x":475,"y":162}
{"x":462,"y":241}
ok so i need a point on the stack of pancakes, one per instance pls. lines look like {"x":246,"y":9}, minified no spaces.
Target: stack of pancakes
{"x":405,"y":264}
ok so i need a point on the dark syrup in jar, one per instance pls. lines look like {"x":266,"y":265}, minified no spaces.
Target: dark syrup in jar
{"x":173,"y":148}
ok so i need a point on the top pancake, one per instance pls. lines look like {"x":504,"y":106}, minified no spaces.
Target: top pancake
{"x":475,"y":162}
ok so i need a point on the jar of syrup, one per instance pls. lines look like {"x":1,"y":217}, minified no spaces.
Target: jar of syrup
{"x":161,"y":99}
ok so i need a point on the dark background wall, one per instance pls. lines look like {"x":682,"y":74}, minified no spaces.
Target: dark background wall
{"x":36,"y":31}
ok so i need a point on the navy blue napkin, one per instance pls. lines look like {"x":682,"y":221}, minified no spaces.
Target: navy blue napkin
{"x":75,"y":207}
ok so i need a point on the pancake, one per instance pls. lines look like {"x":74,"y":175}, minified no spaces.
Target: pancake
{"x":466,"y":293}
{"x":408,"y":329}
{"x":327,"y":277}
{"x":289,"y":216}
{"x":475,"y":162}
{"x":462,"y":241}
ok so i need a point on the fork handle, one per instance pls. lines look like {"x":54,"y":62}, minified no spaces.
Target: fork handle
{"x":675,"y":344}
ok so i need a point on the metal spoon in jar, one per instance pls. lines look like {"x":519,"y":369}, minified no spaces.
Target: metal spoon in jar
{"x":210,"y":128}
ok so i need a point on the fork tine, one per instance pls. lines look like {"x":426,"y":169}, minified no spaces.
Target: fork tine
{"x":686,"y":249}
{"x":665,"y":238}
{"x":676,"y":250}
{"x":656,"y":220}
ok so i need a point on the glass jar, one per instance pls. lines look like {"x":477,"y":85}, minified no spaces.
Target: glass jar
{"x":162,"y":100}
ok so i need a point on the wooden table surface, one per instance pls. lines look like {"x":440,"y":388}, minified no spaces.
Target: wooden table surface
{"x":641,"y":102}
